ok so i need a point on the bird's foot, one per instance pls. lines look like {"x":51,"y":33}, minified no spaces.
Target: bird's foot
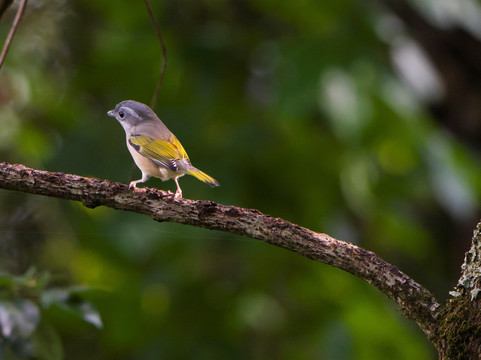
{"x":178,"y":194}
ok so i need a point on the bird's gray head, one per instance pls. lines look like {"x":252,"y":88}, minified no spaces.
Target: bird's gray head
{"x":131,"y":113}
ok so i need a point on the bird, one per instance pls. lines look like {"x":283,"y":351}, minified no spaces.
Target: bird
{"x":155,"y":149}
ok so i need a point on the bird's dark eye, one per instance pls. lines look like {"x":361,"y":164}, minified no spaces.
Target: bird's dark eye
{"x":121,"y":114}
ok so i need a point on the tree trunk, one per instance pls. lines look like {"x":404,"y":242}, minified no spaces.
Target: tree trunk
{"x":460,"y":330}
{"x":459,"y":335}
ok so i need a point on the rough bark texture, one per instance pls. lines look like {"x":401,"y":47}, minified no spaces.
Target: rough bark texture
{"x":455,"y":54}
{"x":454,"y":329}
{"x":414,"y":300}
{"x":460,"y":324}
{"x":460,"y":330}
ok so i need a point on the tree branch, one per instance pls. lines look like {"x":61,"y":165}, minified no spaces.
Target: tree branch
{"x":414,"y":300}
{"x":164,"y":54}
{"x":13,"y":29}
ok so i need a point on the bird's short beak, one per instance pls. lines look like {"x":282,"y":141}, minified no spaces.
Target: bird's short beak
{"x":111,"y":113}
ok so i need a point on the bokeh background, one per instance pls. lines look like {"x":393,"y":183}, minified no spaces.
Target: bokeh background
{"x":356,"y":118}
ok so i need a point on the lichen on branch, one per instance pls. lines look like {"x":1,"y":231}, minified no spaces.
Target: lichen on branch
{"x":414,"y":300}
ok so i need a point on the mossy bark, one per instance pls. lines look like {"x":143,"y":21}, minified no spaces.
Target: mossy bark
{"x":460,"y":330}
{"x":454,"y":329}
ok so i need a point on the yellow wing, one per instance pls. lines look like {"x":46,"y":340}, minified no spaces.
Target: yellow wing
{"x":175,"y":142}
{"x":162,"y":152}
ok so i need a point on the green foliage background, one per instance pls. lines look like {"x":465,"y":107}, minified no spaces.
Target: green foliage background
{"x":297,"y":109}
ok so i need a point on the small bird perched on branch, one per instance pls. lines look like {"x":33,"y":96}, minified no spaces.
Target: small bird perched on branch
{"x":155,"y":150}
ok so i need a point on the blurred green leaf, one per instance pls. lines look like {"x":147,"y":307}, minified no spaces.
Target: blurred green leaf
{"x":47,"y":344}
{"x":69,"y":300}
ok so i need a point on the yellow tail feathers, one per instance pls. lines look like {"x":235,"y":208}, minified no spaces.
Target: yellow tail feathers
{"x":202,"y":176}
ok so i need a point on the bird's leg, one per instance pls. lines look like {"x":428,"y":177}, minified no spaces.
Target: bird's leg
{"x":145,"y":177}
{"x":178,"y":193}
